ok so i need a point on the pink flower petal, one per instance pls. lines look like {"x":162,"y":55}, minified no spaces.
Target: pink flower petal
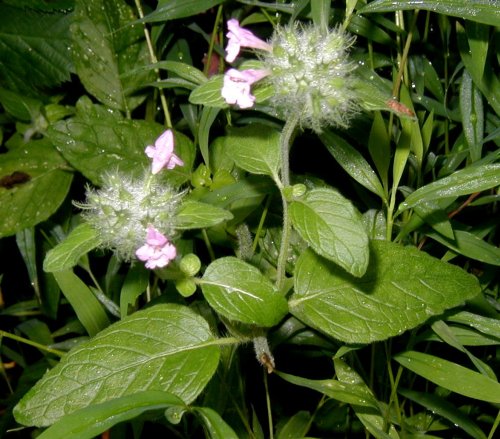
{"x":239,"y":37}
{"x":162,"y":153}
{"x":158,"y":251}
{"x":236,"y":88}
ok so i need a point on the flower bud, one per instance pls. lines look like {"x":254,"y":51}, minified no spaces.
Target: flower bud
{"x":123,"y":210}
{"x":311,"y":75}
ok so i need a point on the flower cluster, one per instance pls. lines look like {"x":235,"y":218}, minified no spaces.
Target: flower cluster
{"x":308,"y":69}
{"x":134,"y":216}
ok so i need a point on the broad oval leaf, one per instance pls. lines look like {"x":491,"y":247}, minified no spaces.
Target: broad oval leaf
{"x":93,"y":420}
{"x":333,"y":227}
{"x":209,"y":93}
{"x":33,"y":184}
{"x":451,"y":376}
{"x":97,"y":140}
{"x":239,"y":291}
{"x":82,"y":239}
{"x":198,"y":215}
{"x":106,"y":47}
{"x":466,"y":181}
{"x":401,"y":289}
{"x":482,"y":11}
{"x":166,"y":348}
{"x":255,"y":148}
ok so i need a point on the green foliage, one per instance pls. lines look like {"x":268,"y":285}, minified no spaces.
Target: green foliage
{"x":357,"y":266}
{"x":363,"y":310}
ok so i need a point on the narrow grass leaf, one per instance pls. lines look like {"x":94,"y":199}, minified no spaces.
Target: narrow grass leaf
{"x":94,"y":420}
{"x":451,"y":376}
{"x":482,"y":11}
{"x":443,"y":408}
{"x":464,"y":182}
{"x":216,"y":427}
{"x":87,"y":308}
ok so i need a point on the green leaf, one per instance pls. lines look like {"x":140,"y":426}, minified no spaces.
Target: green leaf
{"x":174,"y":9}
{"x":333,"y":227}
{"x":470,"y":245}
{"x":466,"y":181}
{"x":353,"y":163}
{"x":135,"y":283}
{"x":93,"y":420}
{"x":451,"y":376}
{"x":97,"y":140}
{"x":87,"y":308}
{"x":183,"y":70}
{"x":198,"y":215}
{"x":239,"y":291}
{"x":255,"y":148}
{"x":82,"y":239}
{"x":348,"y":393}
{"x":106,"y":47}
{"x":379,"y":146}
{"x":207,"y":118}
{"x":33,"y":49}
{"x":296,"y":427}
{"x":443,"y":408}
{"x":166,"y":348}
{"x":482,"y":11}
{"x":401,"y":289}
{"x":486,"y":325}
{"x":33,"y":185}
{"x":471,"y":109}
{"x":209,"y":93}
{"x":216,"y":427}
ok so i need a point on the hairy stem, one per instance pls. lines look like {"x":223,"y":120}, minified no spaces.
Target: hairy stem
{"x":285,"y":140}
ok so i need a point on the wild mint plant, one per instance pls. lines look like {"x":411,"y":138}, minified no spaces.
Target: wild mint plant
{"x":215,"y":205}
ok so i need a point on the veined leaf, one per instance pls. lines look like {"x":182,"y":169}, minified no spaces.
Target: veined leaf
{"x":33,"y":185}
{"x":333,"y":227}
{"x":106,"y":47}
{"x":209,"y":93}
{"x":466,"y":181}
{"x":353,"y":163}
{"x":174,"y":9}
{"x":451,"y":376}
{"x":33,"y":49}
{"x":483,"y":11}
{"x":82,"y":239}
{"x":401,"y":289}
{"x":255,"y":148}
{"x":198,"y":215}
{"x":88,"y":309}
{"x":97,"y":140}
{"x":166,"y":348}
{"x":239,"y":291}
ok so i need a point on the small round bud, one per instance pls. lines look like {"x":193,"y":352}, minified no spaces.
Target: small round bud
{"x":190,"y":264}
{"x":186,"y":287}
{"x":298,"y":190}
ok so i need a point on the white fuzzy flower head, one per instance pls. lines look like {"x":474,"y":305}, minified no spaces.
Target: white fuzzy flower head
{"x":311,"y":75}
{"x":123,"y":209}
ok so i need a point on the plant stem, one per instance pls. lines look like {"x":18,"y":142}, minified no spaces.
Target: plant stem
{"x":285,"y":140}
{"x":268,"y":405}
{"x":154,"y":60}
{"x":31,"y":343}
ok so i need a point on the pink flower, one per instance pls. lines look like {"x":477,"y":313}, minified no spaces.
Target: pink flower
{"x":239,"y":37}
{"x":158,"y":251}
{"x":162,"y":153}
{"x":236,"y":88}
